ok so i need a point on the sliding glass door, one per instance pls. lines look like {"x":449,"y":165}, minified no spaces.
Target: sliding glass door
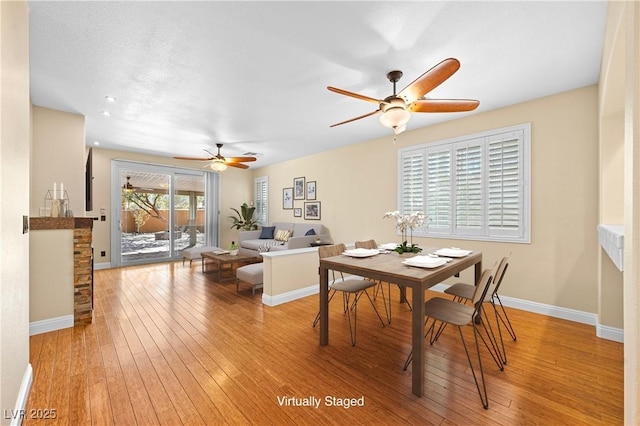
{"x":160,"y":211}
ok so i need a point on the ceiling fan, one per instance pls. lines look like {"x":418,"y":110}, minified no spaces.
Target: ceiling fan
{"x":395,"y":108}
{"x":220,"y":163}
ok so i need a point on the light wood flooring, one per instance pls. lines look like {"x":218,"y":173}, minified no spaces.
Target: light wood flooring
{"x":168,"y":345}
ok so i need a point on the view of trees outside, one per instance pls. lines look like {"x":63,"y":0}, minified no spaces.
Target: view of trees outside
{"x":145,"y":219}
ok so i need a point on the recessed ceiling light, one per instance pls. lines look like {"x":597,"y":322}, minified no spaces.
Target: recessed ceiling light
{"x":110,"y":98}
{"x":107,"y":113}
{"x":96,"y":143}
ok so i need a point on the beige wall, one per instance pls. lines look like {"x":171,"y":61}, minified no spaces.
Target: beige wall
{"x":357,"y":185}
{"x":14,"y":187}
{"x":236,"y":187}
{"x":50,"y":274}
{"x":611,"y":162}
{"x":58,"y":156}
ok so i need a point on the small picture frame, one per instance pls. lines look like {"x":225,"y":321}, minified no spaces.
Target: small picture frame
{"x":298,"y":188}
{"x":287,"y":198}
{"x":311,"y":190}
{"x":297,"y":212}
{"x":312,"y":210}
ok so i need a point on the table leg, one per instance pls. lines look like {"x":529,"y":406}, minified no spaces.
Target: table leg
{"x":417,"y":341}
{"x":324,"y":306}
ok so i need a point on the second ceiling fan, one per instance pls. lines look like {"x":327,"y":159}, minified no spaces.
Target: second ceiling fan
{"x":220,"y":163}
{"x":396,"y":108}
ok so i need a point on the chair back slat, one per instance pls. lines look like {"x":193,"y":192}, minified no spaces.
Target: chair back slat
{"x":332,"y":250}
{"x":369,"y":244}
{"x":482,"y":287}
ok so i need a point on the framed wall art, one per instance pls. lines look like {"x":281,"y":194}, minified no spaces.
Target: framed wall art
{"x":312,"y":210}
{"x":311,"y":190}
{"x":287,"y":198}
{"x":298,"y":188}
{"x":297,"y":212}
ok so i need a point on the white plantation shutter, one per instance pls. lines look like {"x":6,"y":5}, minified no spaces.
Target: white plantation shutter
{"x":412,"y":169}
{"x":261,"y":200}
{"x":469,"y":188}
{"x":439,"y":198}
{"x":504,"y":196}
{"x":472,"y":187}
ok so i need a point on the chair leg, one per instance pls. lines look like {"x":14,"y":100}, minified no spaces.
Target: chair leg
{"x":331,"y":294}
{"x":507,"y":324}
{"x":352,"y":328}
{"x":374,"y":306}
{"x":483,"y":393}
{"x":494,"y":350}
{"x":410,"y":356}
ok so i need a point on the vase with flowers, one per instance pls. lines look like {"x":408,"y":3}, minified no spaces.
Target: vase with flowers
{"x":406,"y":223}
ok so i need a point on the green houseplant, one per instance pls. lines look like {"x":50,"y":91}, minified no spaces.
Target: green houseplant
{"x":243,"y":220}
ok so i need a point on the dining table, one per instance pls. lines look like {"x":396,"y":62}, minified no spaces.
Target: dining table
{"x":389,"y":267}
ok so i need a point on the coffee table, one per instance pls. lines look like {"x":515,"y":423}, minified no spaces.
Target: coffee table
{"x":227,"y":259}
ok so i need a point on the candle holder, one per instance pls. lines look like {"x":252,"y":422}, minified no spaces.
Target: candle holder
{"x":55,"y":207}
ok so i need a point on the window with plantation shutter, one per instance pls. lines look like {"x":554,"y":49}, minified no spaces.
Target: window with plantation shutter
{"x":471,"y":187}
{"x":261,"y":200}
{"x":412,"y":170}
{"x":439,"y":189}
{"x":469,"y":209}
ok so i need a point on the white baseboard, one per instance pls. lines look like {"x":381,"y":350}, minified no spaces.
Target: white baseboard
{"x":21,"y":401}
{"x":97,"y":266}
{"x":289,"y":296}
{"x":51,"y":324}
{"x":602,"y":331}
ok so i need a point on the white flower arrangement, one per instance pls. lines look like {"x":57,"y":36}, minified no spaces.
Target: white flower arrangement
{"x":404,"y":223}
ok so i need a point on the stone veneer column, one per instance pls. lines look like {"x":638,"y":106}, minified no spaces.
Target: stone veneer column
{"x":82,"y":276}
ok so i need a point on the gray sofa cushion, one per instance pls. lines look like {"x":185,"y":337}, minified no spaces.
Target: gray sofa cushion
{"x":301,"y":229}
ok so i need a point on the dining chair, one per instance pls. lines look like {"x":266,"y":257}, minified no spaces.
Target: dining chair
{"x":463,"y":292}
{"x":371,"y":244}
{"x":348,"y":287}
{"x":447,"y":311}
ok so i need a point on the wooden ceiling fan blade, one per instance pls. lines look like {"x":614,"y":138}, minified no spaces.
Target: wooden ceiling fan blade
{"x":443,"y":105}
{"x":238,"y":165}
{"x":239,"y":159}
{"x":429,"y":80}
{"x":355,"y":95}
{"x":356,"y":118}
{"x":194,"y":158}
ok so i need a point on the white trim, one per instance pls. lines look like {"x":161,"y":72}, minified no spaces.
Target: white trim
{"x":290,"y":296}
{"x":23,"y":394}
{"x":51,"y":324}
{"x":105,"y":265}
{"x":602,"y":331}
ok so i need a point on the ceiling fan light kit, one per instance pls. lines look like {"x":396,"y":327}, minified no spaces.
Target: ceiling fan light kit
{"x":396,"y":109}
{"x":217,"y":165}
{"x":220,"y":163}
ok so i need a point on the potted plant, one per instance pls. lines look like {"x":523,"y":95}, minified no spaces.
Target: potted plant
{"x":404,"y":222}
{"x":243,"y":220}
{"x":233,"y":248}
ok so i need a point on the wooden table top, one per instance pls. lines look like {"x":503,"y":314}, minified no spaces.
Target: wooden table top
{"x":228,"y":257}
{"x":389,"y":267}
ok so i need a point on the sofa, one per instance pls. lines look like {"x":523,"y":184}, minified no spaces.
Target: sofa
{"x":266,"y":239}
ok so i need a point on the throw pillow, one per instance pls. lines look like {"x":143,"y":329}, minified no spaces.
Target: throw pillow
{"x":282,"y":235}
{"x":267,"y":232}
{"x":311,"y":232}
{"x":267,"y":246}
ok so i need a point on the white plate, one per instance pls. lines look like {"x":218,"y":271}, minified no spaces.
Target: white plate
{"x":388,"y":246}
{"x":452,"y":252}
{"x":361,"y":252}
{"x":425,"y":261}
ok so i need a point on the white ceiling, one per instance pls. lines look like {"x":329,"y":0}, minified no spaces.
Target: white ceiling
{"x":253,"y":75}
